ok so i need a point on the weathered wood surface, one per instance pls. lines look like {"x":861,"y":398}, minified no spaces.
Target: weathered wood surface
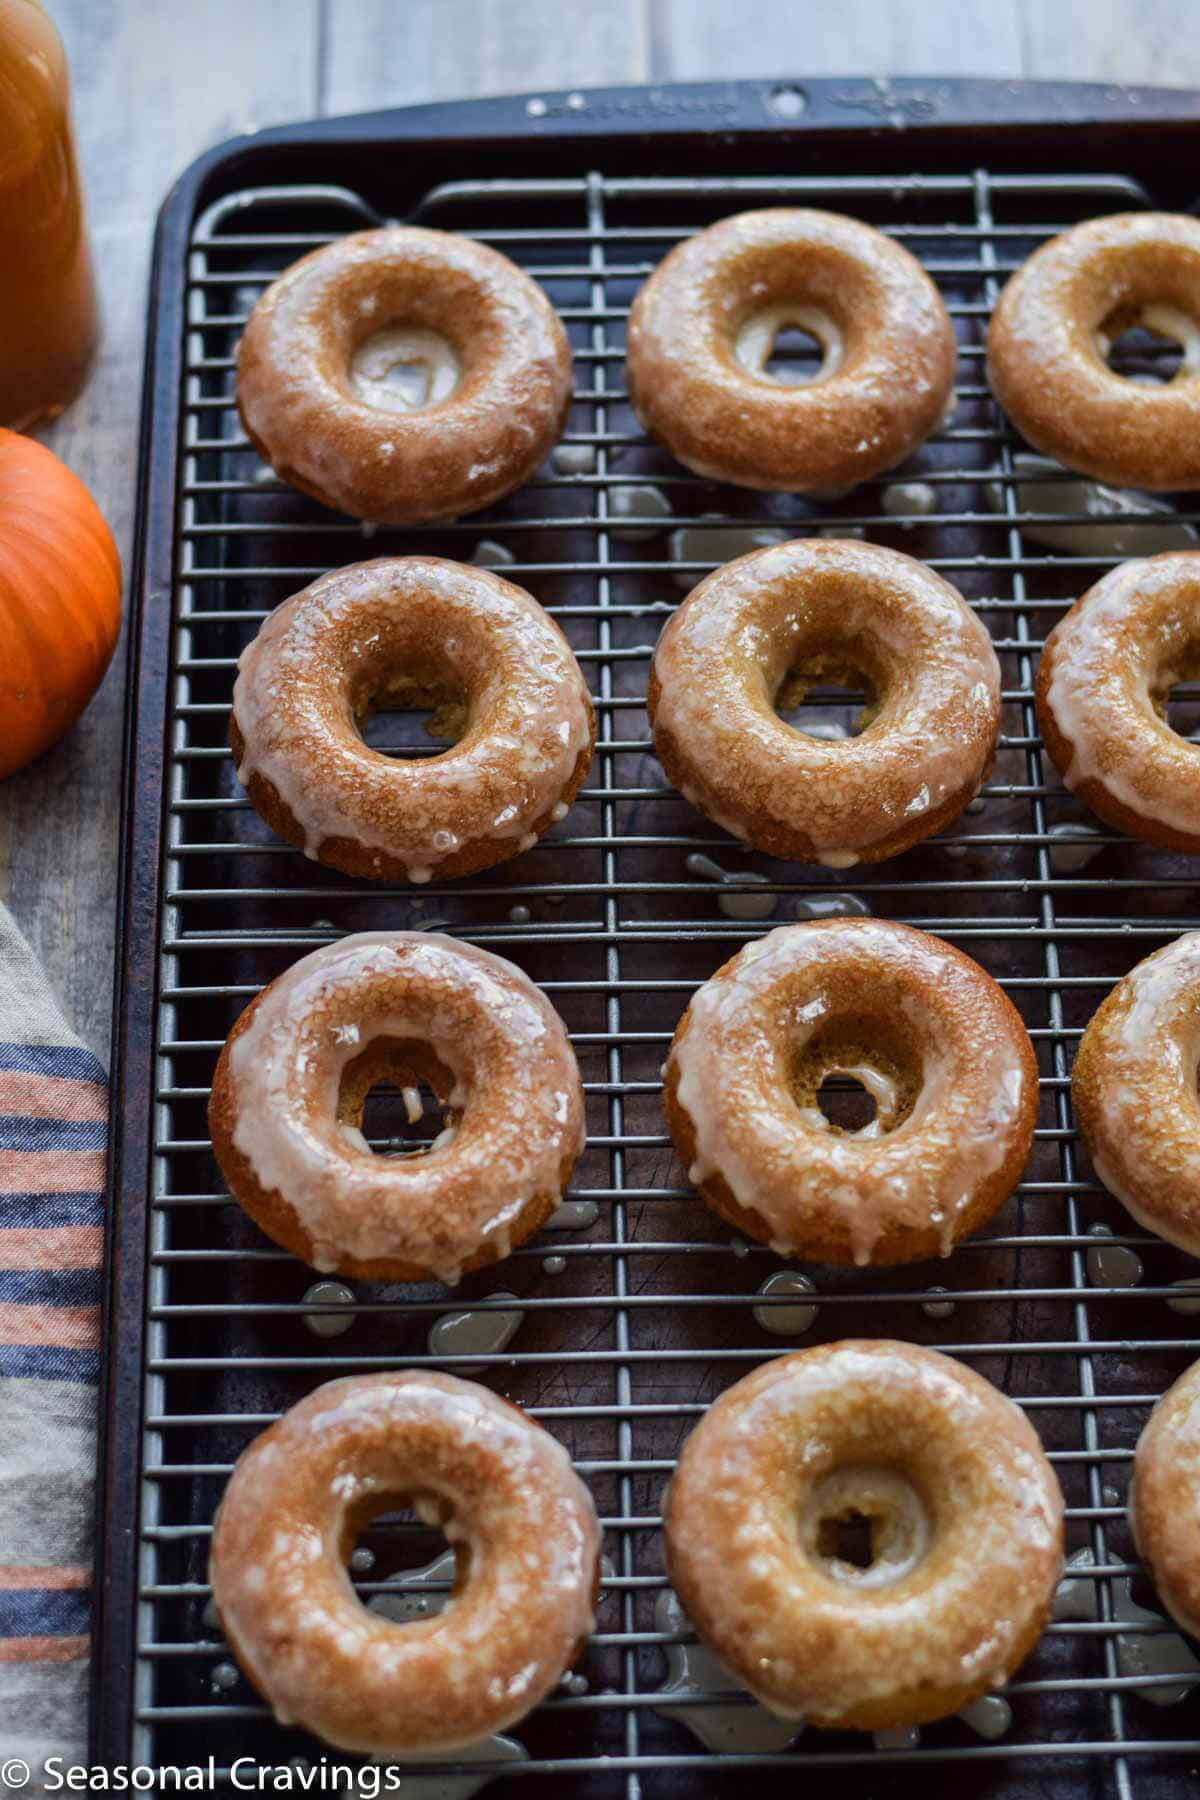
{"x":156,"y":84}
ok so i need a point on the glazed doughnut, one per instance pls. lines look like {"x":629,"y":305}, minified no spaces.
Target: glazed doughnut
{"x":524,"y":1532}
{"x":701,"y":334}
{"x":1051,"y":333}
{"x":1134,"y":1088}
{"x":411,"y":631}
{"x":965,"y":1520}
{"x":483,"y":364}
{"x":1102,"y":688}
{"x":1164,"y":1499}
{"x":400,"y":1007}
{"x":931,"y":1037}
{"x":765,"y":628}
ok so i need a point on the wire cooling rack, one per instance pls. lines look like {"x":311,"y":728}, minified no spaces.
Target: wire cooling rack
{"x":647,"y":1313}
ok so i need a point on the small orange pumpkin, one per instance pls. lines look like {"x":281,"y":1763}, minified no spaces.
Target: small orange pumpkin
{"x":60,"y":599}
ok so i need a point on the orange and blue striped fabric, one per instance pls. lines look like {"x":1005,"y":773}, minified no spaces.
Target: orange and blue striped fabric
{"x":53,"y":1127}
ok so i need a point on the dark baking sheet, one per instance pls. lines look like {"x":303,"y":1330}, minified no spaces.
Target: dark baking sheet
{"x":653,"y":1315}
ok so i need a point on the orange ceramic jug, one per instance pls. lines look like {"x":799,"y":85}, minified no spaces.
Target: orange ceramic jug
{"x":48,"y":320}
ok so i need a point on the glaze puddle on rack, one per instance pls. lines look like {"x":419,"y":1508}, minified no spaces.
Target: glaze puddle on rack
{"x":422,"y":1594}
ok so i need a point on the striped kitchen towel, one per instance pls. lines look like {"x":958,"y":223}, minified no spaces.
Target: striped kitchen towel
{"x":53,"y":1122}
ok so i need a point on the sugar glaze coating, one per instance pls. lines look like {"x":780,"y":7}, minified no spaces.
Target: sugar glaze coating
{"x":966,"y":1518}
{"x":1049,"y":336}
{"x":400,"y":1006}
{"x":399,"y":630}
{"x":957,"y":1099}
{"x":1102,"y":688}
{"x":700,"y":334}
{"x":1164,"y":1502}
{"x":312,"y":402}
{"x":823,"y":608}
{"x":1134,"y":1088}
{"x":522,"y":1525}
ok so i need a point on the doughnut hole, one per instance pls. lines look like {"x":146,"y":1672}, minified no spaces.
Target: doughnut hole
{"x":796,"y":357}
{"x":847,"y":1102}
{"x":406,"y":1532}
{"x":838,"y":691}
{"x":389,"y":341}
{"x":865,"y":1526}
{"x":1181,"y":711}
{"x":404,"y":369}
{"x":395,"y":1096}
{"x":1149,"y":344}
{"x":398,"y":710}
{"x":855,"y":1077}
{"x":790,"y":344}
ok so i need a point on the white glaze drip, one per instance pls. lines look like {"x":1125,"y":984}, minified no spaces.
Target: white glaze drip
{"x":755,"y":342}
{"x":1188,"y":1303}
{"x":574,"y":459}
{"x":329,"y":1293}
{"x":908,"y":500}
{"x":787,"y":1321}
{"x":1075,"y":1597}
{"x":1134,"y":524}
{"x":1073,"y":847}
{"x":405,"y":369}
{"x":1111,"y":1265}
{"x":474,"y":1333}
{"x":744,"y":905}
{"x":1153,"y":1653}
{"x":990,"y":1716}
{"x":716,"y":543}
{"x":444,"y":1784}
{"x":489,"y":554}
{"x":573,"y":1215}
{"x":637,"y":511}
{"x":832,"y":906}
{"x":693,"y":1670}
{"x":829,"y":731}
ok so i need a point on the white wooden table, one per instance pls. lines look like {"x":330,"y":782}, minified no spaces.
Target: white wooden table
{"x":155,"y":84}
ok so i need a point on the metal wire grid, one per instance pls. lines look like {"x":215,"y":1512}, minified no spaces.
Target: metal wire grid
{"x":652,"y":1317}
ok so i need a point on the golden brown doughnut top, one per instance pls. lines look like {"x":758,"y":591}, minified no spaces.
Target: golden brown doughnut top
{"x":1165,"y":1499}
{"x":960,"y":1091}
{"x":722,"y":658}
{"x":967,"y":1530}
{"x":517,"y":1090}
{"x":1050,"y":335}
{"x":701,"y":330}
{"x":1135,"y":1091}
{"x":366,"y":633}
{"x":521,"y":1522}
{"x":1112,"y":661}
{"x":496,"y":361}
